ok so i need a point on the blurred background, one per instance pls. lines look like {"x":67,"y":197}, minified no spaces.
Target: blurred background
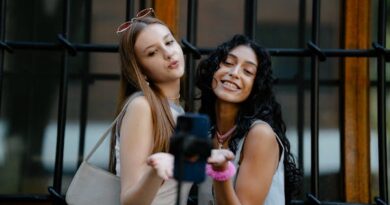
{"x":52,"y":100}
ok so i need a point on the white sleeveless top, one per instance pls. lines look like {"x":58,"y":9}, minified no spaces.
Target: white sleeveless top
{"x":275,"y":195}
{"x":167,"y":193}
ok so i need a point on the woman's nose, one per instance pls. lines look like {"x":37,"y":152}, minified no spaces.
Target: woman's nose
{"x":234,"y":71}
{"x":168,"y":53}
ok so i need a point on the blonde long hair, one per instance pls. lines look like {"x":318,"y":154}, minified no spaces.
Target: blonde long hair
{"x":133,"y":80}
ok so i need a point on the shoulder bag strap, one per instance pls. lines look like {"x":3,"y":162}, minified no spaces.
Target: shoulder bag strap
{"x":108,"y":131}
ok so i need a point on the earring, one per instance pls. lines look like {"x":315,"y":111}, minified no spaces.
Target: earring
{"x":146,"y":79}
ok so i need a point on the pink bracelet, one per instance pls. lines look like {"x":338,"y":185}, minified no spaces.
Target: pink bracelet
{"x":222,"y":175}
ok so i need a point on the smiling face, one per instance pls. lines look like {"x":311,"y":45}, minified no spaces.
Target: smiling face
{"x":159,"y":54}
{"x":234,"y":79}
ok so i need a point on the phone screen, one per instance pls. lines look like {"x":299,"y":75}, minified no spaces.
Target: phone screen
{"x":191,"y":147}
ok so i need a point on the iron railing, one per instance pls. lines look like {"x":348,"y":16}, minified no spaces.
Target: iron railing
{"x":307,"y":49}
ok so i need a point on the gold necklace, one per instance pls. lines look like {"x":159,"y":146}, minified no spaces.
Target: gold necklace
{"x":174,"y":98}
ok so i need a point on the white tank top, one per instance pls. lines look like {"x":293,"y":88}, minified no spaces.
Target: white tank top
{"x":167,"y":193}
{"x":275,"y":195}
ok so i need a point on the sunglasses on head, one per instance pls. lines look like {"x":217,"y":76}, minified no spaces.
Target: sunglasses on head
{"x":141,"y":14}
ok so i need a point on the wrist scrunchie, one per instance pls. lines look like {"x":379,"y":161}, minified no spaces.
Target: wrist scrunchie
{"x":221,"y":175}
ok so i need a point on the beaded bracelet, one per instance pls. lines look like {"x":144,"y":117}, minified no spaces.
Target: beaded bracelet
{"x":221,"y":175}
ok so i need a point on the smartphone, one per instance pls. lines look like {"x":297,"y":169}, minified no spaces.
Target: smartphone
{"x":191,"y":146}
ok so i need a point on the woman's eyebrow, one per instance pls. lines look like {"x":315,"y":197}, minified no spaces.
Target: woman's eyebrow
{"x":167,"y":36}
{"x":247,"y":61}
{"x":150,"y":46}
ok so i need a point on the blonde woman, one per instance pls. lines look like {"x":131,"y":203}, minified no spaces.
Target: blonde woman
{"x":152,"y":63}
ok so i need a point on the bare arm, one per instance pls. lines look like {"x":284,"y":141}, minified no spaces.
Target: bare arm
{"x":139,"y":182}
{"x":260,"y":160}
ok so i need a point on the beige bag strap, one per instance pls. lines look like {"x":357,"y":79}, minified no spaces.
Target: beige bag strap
{"x":107,"y":132}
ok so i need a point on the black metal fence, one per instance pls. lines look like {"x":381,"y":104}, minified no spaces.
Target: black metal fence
{"x":310,"y":49}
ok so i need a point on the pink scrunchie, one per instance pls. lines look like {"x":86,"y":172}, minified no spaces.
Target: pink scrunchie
{"x":222,"y":175}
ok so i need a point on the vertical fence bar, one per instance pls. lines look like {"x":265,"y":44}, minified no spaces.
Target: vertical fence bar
{"x":142,"y":4}
{"x":2,"y":51}
{"x":301,"y":83}
{"x":250,"y":18}
{"x":85,"y":81}
{"x":314,"y":101}
{"x":381,"y":75}
{"x":129,"y":9}
{"x":192,"y":11}
{"x":342,"y":100}
{"x":62,"y":104}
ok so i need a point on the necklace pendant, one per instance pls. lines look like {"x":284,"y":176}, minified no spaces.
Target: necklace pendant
{"x":225,"y":137}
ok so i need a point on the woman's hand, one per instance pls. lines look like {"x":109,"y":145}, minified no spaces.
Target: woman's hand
{"x":162,"y":163}
{"x":219,"y":158}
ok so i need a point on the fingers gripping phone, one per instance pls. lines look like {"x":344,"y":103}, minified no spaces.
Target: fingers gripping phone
{"x":191,"y":146}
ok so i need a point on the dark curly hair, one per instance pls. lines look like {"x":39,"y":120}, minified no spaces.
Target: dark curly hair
{"x":260,"y":104}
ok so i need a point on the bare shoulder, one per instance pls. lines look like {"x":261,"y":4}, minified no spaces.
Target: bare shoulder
{"x":139,"y":105}
{"x":137,"y":121}
{"x":262,"y":131}
{"x":261,"y":137}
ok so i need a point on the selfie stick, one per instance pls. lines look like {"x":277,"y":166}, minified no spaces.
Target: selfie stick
{"x":179,"y":179}
{"x":191,"y":146}
{"x":192,"y":151}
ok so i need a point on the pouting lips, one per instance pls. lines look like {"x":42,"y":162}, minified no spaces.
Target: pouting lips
{"x":173,"y":64}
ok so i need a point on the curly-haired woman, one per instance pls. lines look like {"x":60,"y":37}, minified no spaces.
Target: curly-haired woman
{"x":236,"y":92}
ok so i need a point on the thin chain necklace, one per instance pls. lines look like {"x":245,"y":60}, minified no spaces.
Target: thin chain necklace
{"x":222,"y":138}
{"x":174,"y":98}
